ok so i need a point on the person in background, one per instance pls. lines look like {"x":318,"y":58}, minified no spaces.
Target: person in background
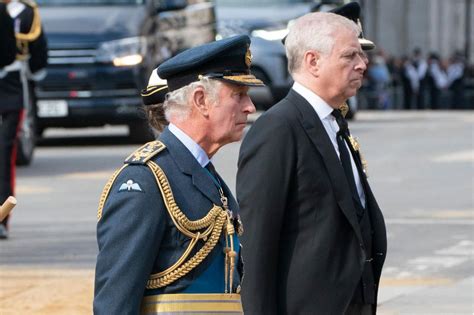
{"x":379,"y":82}
{"x":315,"y":238}
{"x":420,"y":67}
{"x":436,"y":81}
{"x":168,"y":224}
{"x":15,"y":92}
{"x":456,"y":76}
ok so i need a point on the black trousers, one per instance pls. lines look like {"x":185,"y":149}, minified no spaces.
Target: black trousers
{"x":359,"y":309}
{"x":9,"y":125}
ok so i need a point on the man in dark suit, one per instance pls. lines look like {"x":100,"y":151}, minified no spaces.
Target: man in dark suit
{"x":168,"y":224}
{"x":315,"y":238}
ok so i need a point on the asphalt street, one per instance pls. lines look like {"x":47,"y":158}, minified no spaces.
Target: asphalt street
{"x":421,"y":169}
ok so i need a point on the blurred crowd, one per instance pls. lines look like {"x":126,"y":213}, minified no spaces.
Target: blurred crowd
{"x":417,"y":82}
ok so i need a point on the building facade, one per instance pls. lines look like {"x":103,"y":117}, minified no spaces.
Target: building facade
{"x":442,"y":26}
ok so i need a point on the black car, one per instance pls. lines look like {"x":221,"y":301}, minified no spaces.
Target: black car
{"x":101,"y":53}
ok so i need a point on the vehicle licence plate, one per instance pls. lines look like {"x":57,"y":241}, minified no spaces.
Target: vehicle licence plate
{"x":52,"y":108}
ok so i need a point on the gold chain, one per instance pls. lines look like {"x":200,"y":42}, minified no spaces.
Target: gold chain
{"x":194,"y":261}
{"x":214,"y":223}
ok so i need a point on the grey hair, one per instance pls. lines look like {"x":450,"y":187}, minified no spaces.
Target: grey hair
{"x":314,"y":31}
{"x":176,"y":105}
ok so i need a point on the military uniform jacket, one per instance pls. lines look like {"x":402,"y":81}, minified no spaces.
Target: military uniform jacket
{"x":302,"y":247}
{"x":136,"y":236}
{"x":11,"y":90}
{"x":7,"y":37}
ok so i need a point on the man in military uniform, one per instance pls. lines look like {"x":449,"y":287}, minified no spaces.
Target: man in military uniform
{"x":15,"y":76}
{"x":168,"y":224}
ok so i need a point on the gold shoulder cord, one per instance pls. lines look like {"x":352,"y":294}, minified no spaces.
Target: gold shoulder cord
{"x":22,"y":39}
{"x":106,"y":191}
{"x":213,"y":224}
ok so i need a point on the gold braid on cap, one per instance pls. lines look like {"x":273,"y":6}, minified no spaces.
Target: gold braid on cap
{"x":246,"y":78}
{"x":152,"y":89}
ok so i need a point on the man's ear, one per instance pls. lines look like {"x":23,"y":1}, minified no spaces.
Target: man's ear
{"x":311,"y":61}
{"x":199,"y":103}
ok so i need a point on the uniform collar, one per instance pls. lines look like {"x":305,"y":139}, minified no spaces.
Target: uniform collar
{"x":195,"y":149}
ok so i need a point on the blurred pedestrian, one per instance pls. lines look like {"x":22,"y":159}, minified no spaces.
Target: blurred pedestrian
{"x":455,"y":78}
{"x":315,"y":238}
{"x":168,"y":224}
{"x":421,"y":67}
{"x":379,"y":82}
{"x":395,"y":68}
{"x":436,"y":81}
{"x":15,"y":92}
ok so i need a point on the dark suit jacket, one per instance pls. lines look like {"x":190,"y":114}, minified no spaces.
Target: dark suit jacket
{"x":136,"y":235}
{"x":7,"y":37}
{"x":11,"y":88}
{"x":302,"y":246}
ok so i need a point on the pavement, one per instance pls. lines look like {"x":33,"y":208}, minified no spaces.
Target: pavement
{"x":46,"y":291}
{"x":422,"y":175}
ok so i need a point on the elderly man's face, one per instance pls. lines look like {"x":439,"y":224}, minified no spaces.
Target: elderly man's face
{"x":343,"y":69}
{"x":228,"y":116}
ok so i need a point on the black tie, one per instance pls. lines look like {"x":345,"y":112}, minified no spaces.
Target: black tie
{"x":342,"y":138}
{"x":212,"y":171}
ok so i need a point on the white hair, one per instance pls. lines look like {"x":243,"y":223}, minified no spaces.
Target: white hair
{"x":177,"y":106}
{"x":314,"y":31}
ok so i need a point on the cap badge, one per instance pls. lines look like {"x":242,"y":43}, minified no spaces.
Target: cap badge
{"x":248,"y":57}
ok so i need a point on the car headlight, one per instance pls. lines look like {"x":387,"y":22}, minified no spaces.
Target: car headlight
{"x":277,"y":34}
{"x":123,"y":52}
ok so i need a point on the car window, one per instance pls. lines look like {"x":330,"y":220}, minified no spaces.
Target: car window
{"x":88,"y":2}
{"x":258,"y":2}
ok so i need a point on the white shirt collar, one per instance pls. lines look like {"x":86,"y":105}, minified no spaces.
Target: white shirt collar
{"x":320,"y":106}
{"x":195,"y":149}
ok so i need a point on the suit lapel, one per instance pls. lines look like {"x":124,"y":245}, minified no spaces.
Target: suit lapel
{"x":189,"y":166}
{"x":317,"y":134}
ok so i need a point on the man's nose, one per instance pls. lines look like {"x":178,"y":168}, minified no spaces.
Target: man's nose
{"x":249,"y":107}
{"x":362,"y":62}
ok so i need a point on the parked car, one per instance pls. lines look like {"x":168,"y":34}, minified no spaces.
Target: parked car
{"x":266,"y":22}
{"x":101,"y":53}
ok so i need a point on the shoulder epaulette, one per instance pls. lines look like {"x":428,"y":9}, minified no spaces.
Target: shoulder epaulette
{"x":35,"y":29}
{"x":146,"y":152}
{"x":30,"y":3}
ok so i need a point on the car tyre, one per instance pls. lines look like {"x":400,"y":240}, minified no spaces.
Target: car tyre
{"x":26,"y":140}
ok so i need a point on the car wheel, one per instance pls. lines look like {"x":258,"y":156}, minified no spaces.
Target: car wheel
{"x":26,"y":141}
